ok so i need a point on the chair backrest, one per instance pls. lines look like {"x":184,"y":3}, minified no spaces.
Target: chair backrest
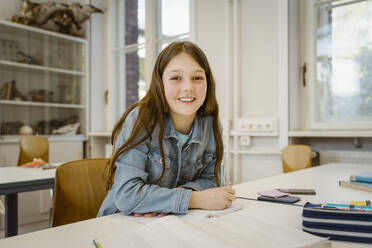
{"x":79,"y":190}
{"x":31,"y":147}
{"x":296,"y":157}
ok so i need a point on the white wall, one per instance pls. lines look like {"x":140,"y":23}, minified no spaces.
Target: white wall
{"x":98,"y":58}
{"x":259,"y":67}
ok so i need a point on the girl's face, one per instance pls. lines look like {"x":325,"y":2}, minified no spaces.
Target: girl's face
{"x":185,"y":86}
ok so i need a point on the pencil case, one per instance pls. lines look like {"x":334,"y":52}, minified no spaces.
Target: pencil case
{"x":338,"y":224}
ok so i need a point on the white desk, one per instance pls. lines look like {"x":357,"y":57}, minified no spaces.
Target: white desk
{"x":14,"y":180}
{"x":324,"y":179}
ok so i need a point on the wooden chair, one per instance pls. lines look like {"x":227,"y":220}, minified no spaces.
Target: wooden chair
{"x":79,"y":191}
{"x":296,"y":157}
{"x":31,"y":147}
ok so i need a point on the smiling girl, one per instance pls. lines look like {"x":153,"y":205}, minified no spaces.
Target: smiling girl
{"x":168,"y":146}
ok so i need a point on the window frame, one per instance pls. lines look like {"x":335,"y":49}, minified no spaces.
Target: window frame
{"x":310,"y":60}
{"x":116,"y":50}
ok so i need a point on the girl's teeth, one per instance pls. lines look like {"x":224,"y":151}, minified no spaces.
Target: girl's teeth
{"x":186,"y":99}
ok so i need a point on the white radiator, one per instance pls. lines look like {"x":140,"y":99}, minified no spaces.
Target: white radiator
{"x":355,"y":157}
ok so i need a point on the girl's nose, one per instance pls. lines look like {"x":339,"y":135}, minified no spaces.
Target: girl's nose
{"x":188,"y":85}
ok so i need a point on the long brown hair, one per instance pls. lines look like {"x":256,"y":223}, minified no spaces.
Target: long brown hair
{"x":153,"y":106}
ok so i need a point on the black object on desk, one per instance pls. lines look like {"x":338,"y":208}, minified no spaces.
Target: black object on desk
{"x":298,"y":191}
{"x":283,"y":199}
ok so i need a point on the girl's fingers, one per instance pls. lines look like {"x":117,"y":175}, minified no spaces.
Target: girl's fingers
{"x":229,"y":189}
{"x":149,"y":215}
{"x":232,"y":197}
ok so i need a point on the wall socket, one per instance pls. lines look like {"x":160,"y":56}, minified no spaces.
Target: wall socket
{"x":265,"y":126}
{"x":245,"y":140}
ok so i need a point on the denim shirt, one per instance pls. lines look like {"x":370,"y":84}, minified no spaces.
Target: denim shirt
{"x":187,"y":169}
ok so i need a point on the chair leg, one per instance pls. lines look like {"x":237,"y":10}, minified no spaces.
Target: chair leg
{"x":51,"y":207}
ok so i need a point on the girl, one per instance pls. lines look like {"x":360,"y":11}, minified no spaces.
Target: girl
{"x":168,"y":146}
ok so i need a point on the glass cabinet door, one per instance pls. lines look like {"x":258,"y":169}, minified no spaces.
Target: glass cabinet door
{"x":42,"y":81}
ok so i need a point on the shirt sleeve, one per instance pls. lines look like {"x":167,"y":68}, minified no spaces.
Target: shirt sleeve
{"x":130,"y":192}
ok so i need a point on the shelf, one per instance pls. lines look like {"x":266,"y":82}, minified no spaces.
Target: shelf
{"x":42,"y":31}
{"x":24,"y":66}
{"x":258,"y":152}
{"x":330,"y":133}
{"x":235,"y":133}
{"x":100,"y":134}
{"x":41,"y":104}
{"x":15,"y":138}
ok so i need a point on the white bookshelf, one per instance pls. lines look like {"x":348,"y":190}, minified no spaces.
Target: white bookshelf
{"x":50,"y":71}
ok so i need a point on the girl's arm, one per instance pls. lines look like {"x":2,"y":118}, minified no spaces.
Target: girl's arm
{"x":130,"y":193}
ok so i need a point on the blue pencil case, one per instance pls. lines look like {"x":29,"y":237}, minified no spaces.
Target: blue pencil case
{"x":346,"y":224}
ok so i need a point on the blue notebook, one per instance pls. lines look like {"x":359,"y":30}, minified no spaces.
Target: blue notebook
{"x":362,"y":177}
{"x":338,"y":222}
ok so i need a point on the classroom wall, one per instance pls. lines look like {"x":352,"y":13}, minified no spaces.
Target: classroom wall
{"x":258,"y":71}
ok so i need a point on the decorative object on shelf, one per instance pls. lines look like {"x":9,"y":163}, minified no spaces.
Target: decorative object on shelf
{"x":28,"y":59}
{"x":25,"y":130}
{"x":41,"y":95}
{"x":67,"y":19}
{"x":11,"y":127}
{"x":9,"y":91}
{"x":68,"y":129}
{"x":8,"y":49}
{"x":47,"y":127}
{"x":65,"y":93}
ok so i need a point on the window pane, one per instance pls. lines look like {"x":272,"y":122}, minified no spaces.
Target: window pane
{"x":175,"y":17}
{"x":135,"y":87}
{"x":163,"y":44}
{"x":134,"y":21}
{"x":343,"y":91}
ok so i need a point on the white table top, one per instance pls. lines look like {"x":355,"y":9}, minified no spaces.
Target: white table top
{"x":20,"y":174}
{"x":324,"y":179}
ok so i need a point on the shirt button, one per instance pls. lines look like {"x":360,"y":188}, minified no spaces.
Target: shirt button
{"x":185,"y":177}
{"x":175,"y":173}
{"x":161,"y":161}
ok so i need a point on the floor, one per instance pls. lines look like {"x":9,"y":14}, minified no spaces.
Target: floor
{"x":29,"y":228}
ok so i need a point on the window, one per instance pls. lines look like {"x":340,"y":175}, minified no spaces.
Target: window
{"x":340,"y":63}
{"x":145,"y":27}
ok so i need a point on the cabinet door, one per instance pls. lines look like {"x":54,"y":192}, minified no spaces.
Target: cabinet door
{"x":42,"y":82}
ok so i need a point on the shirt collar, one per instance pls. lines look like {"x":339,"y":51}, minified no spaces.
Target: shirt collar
{"x":170,"y":131}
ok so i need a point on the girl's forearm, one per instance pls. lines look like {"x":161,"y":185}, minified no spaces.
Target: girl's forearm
{"x":194,"y":199}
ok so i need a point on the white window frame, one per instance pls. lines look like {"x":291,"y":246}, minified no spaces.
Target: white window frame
{"x":116,"y":29}
{"x":310,"y":60}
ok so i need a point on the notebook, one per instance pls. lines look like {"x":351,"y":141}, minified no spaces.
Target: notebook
{"x":238,"y":229}
{"x":362,"y":177}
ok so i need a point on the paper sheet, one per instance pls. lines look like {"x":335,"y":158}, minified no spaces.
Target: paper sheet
{"x":238,"y":229}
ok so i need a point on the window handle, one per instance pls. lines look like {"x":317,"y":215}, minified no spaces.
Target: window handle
{"x":304,"y":69}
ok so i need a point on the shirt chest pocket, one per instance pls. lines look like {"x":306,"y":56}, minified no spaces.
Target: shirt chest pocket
{"x":155,"y":167}
{"x":202,"y":163}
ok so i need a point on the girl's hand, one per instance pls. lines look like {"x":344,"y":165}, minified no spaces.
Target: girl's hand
{"x":149,"y":215}
{"x":212,"y":199}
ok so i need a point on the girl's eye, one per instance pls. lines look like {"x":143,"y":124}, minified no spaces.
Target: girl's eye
{"x":176,"y":78}
{"x":198,"y":78}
